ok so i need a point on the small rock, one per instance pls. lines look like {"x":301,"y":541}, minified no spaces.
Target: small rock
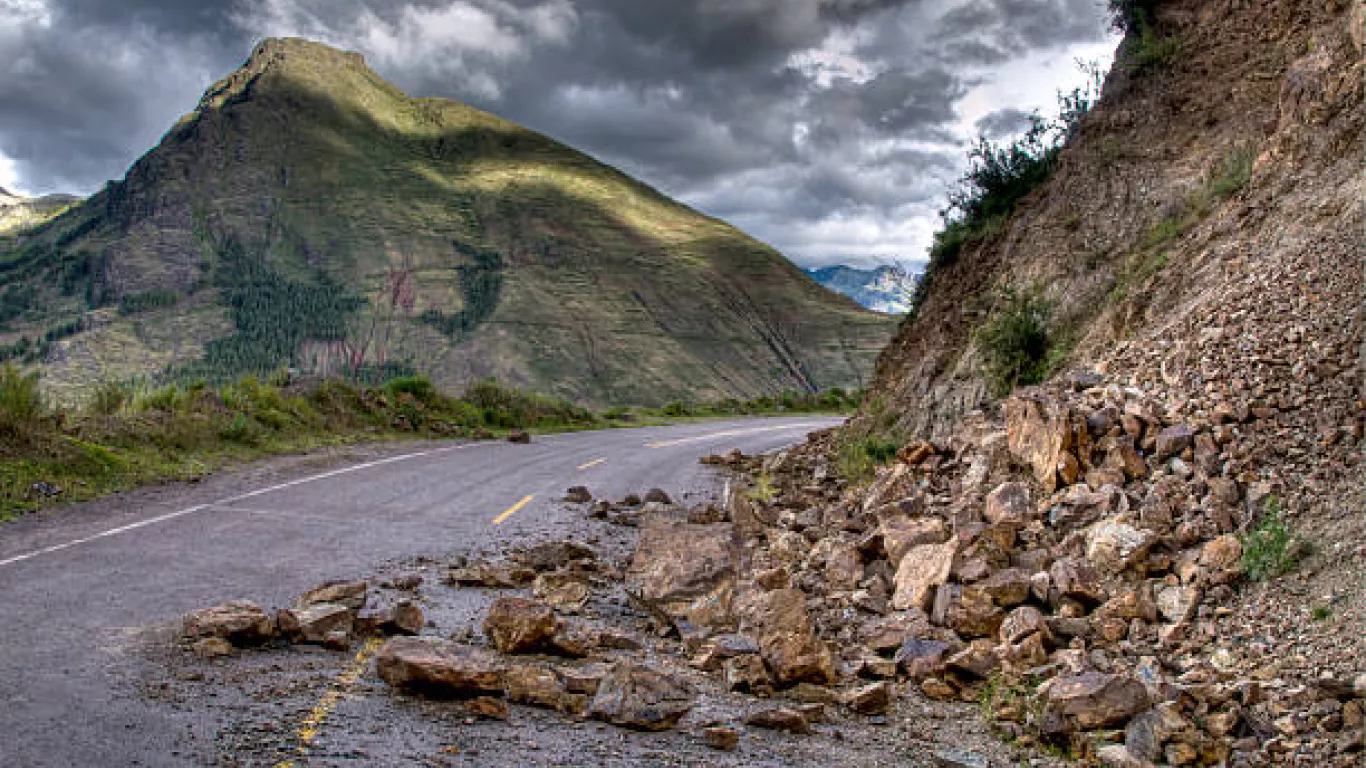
{"x":1173,"y":440}
{"x":239,"y":622}
{"x":518,"y":625}
{"x":657,"y":496}
{"x":578,"y":495}
{"x":211,"y":648}
{"x":315,"y":623}
{"x":437,"y":666}
{"x":1009,"y":503}
{"x":519,"y":436}
{"x":722,"y":737}
{"x":873,"y":699}
{"x":1091,"y":700}
{"x":348,"y":593}
{"x":642,"y":698}
{"x":487,"y":708}
{"x":780,"y":719}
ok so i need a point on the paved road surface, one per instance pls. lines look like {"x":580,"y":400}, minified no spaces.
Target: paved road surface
{"x":76,"y":584}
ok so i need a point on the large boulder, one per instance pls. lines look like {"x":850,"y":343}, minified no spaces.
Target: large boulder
{"x":920,"y":572}
{"x":240,"y":622}
{"x":518,"y":625}
{"x":685,"y":569}
{"x":1091,"y":700}
{"x":1039,"y":433}
{"x":642,"y":698}
{"x":541,"y":687}
{"x":778,"y":620}
{"x":899,"y":534}
{"x":439,"y":667}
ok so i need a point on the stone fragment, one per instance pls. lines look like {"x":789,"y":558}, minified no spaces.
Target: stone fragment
{"x":641,"y":697}
{"x":979,"y":659}
{"x":348,"y":593}
{"x":1091,"y":700}
{"x":578,"y":495}
{"x":1076,"y":579}
{"x":748,"y":674}
{"x":487,"y":708}
{"x":974,"y":614}
{"x":518,"y":625}
{"x":960,"y":758}
{"x":211,"y":648}
{"x":896,"y":535}
{"x":1038,"y":433}
{"x":873,"y":699}
{"x":240,"y":622}
{"x":779,"y":621}
{"x":564,"y":592}
{"x":657,"y":496}
{"x":920,"y":658}
{"x":1115,"y":545}
{"x":915,"y":453}
{"x":938,"y":690}
{"x":554,"y":555}
{"x":920,"y":572}
{"x":721,"y":737}
{"x":1009,"y":503}
{"x":781,"y":719}
{"x":491,"y":575}
{"x":1173,"y":440}
{"x":1008,"y":587}
{"x":519,"y":437}
{"x":401,"y":618}
{"x":439,"y":667}
{"x":1222,"y":553}
{"x":541,"y":687}
{"x":314,"y":623}
{"x":1022,"y":622}
{"x":574,"y":638}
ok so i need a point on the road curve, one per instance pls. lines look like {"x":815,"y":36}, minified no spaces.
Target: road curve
{"x":77,"y":582}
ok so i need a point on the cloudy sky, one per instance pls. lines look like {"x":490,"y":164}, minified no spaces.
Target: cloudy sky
{"x":829,"y":128}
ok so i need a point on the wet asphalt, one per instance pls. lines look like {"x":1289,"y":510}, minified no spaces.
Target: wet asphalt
{"x":80,"y":584}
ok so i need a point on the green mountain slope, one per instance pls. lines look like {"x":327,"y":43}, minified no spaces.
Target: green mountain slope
{"x":308,"y":212}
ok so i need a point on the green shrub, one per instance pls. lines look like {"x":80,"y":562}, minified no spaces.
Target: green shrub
{"x":616,"y":413}
{"x":236,"y":430}
{"x":1016,"y":341}
{"x":1234,"y":173}
{"x":676,"y":408}
{"x":1269,"y":550}
{"x":860,"y":457}
{"x":109,"y":398}
{"x":20,"y":401}
{"x":420,"y":388}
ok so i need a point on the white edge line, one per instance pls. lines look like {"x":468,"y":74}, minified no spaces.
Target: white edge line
{"x":730,"y":433}
{"x":200,"y":507}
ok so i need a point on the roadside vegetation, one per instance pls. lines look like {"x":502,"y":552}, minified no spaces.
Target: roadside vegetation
{"x":1270,"y":549}
{"x":127,"y":435}
{"x":1018,"y":345}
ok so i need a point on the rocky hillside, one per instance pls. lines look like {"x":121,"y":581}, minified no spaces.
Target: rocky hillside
{"x":1165,"y":537}
{"x":308,"y":212}
{"x":885,"y":289}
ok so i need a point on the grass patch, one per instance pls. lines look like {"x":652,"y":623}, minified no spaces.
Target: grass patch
{"x":1270,"y":550}
{"x":764,"y":490}
{"x":1321,"y":613}
{"x":859,"y":458}
{"x":132,"y":435}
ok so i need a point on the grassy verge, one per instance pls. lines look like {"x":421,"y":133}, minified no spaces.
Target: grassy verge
{"x":128,"y":436}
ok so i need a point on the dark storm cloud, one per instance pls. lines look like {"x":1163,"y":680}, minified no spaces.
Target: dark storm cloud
{"x":1003,"y":123}
{"x":825,"y":126}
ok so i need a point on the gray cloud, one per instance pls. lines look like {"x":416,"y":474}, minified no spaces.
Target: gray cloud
{"x":828,"y":127}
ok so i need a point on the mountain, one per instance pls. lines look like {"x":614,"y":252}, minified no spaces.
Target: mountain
{"x":310,"y":213}
{"x":19,"y":213}
{"x":886,"y":289}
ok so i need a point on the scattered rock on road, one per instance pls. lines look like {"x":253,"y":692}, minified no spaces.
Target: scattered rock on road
{"x":240,"y":622}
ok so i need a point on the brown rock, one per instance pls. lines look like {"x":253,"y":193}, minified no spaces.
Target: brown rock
{"x":585,"y":679}
{"x":722,"y":737}
{"x":1122,"y":455}
{"x":1173,"y":440}
{"x":873,"y":699}
{"x":1076,"y":579}
{"x":211,"y":648}
{"x":780,"y":719}
{"x":1022,"y":622}
{"x":402,"y":618}
{"x":491,"y":575}
{"x":439,"y":667}
{"x":518,"y":625}
{"x":974,"y":614}
{"x":843,"y":568}
{"x":896,"y":535}
{"x":687,"y":570}
{"x":642,"y":698}
{"x":519,"y":436}
{"x":564,"y":592}
{"x":578,"y":495}
{"x":315,"y":623}
{"x":979,"y":659}
{"x":1009,"y":503}
{"x":239,"y":622}
{"x":1103,"y":476}
{"x":540,"y":687}
{"x":1007,"y":588}
{"x":938,"y":690}
{"x":554,"y":555}
{"x":1114,"y":545}
{"x":920,"y":572}
{"x":748,"y":674}
{"x":487,"y":708}
{"x":574,"y":638}
{"x":1091,"y":700}
{"x":778,"y":620}
{"x":920,"y":658}
{"x":1038,"y":433}
{"x":1222,"y":553}
{"x":916,"y":452}
{"x":348,"y":593}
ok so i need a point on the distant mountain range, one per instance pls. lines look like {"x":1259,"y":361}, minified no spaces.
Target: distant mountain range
{"x":310,"y":214}
{"x":18,"y":213}
{"x":885,"y":289}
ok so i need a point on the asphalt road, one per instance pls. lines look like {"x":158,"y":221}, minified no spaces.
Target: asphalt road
{"x":80,"y":584}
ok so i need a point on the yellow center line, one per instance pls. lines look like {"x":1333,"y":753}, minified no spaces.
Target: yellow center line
{"x":591,"y":464}
{"x":308,"y":730}
{"x":514,"y":509}
{"x":729,"y":433}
